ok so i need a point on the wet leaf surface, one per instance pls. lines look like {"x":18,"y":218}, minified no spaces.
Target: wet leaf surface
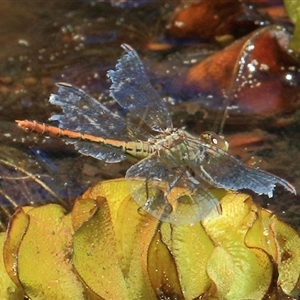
{"x":95,"y":255}
{"x":293,"y":10}
{"x":238,"y":257}
{"x":118,"y":251}
{"x":18,"y":224}
{"x":44,"y":267}
{"x":188,"y":243}
{"x":133,"y":233}
{"x":183,"y":245}
{"x":11,"y":291}
{"x":162,"y":270}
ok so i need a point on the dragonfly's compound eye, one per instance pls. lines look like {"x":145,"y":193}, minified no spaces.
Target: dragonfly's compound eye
{"x":212,"y":138}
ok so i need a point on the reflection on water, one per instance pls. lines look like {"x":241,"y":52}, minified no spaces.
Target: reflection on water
{"x":77,"y":42}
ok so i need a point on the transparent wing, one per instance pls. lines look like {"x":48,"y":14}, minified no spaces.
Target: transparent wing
{"x":220,"y":169}
{"x":170,"y":194}
{"x":133,"y":91}
{"x":83,"y":113}
{"x":97,"y":151}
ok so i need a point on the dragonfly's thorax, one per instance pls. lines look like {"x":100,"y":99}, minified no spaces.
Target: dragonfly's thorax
{"x":180,"y":148}
{"x":165,"y":140}
{"x":174,"y":147}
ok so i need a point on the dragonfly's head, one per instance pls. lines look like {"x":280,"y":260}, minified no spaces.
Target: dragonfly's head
{"x":214,"y":139}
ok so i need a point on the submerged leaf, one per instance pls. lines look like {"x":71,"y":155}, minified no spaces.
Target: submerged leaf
{"x":32,"y":178}
{"x":211,"y":19}
{"x":255,"y":75}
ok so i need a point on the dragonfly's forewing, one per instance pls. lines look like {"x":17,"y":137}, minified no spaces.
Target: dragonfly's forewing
{"x":133,"y":91}
{"x":225,"y":171}
{"x":170,"y":194}
{"x":83,"y":113}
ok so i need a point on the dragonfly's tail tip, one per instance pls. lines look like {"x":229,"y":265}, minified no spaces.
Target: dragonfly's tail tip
{"x":292,"y":189}
{"x":20,"y":122}
{"x":289,"y":187}
{"x":24,"y":124}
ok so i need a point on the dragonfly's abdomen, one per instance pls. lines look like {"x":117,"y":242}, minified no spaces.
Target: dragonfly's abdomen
{"x":138,"y":149}
{"x":43,"y":128}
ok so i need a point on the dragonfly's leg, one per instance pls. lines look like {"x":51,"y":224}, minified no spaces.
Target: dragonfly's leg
{"x":185,"y":188}
{"x":154,"y":196}
{"x":174,"y":182}
{"x":147,"y":204}
{"x":197,"y":183}
{"x":192,"y":178}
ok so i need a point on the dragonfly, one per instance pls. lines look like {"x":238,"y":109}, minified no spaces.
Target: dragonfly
{"x":175,"y":169}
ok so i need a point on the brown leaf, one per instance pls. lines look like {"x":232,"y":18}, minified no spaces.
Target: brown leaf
{"x":209,"y":19}
{"x":256,"y":75}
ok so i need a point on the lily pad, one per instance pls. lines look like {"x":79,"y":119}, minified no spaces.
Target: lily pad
{"x":8,"y":289}
{"x":119,"y":251}
{"x":44,"y":267}
{"x":238,"y":272}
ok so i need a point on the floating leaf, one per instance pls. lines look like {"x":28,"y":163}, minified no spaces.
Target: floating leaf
{"x":121,"y":252}
{"x":43,"y":264}
{"x":135,"y":230}
{"x":8,"y":288}
{"x":17,"y":228}
{"x":265,"y":241}
{"x":95,"y":256}
{"x":132,"y":234}
{"x":288,"y":245}
{"x":187,"y":244}
{"x":238,"y":272}
{"x":83,"y":211}
{"x":162,"y":269}
{"x":282,"y":243}
{"x":292,"y":7}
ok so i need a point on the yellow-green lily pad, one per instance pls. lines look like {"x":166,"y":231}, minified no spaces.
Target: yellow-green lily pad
{"x":44,"y":266}
{"x":237,"y":271}
{"x":8,"y":289}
